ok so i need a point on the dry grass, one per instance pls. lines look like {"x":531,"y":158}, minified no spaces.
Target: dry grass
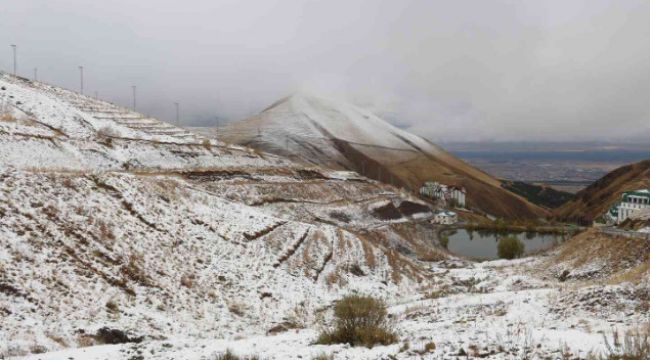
{"x":634,"y":275}
{"x":369,"y":254}
{"x":335,"y":279}
{"x":632,"y":345}
{"x":6,"y":117}
{"x":237,"y":309}
{"x":429,"y":255}
{"x":229,"y":355}
{"x":259,"y":153}
{"x":393,"y":260}
{"x":627,"y":256}
{"x":323,"y":357}
{"x":133,"y":269}
{"x":187,"y":280}
{"x":428,"y":348}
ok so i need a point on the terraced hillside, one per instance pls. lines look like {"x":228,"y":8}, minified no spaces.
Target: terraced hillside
{"x":112,"y":220}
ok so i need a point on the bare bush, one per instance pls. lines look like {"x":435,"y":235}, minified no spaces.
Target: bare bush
{"x":510,"y":247}
{"x":359,"y":321}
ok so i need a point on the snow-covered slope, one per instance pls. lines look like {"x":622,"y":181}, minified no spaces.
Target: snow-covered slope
{"x":44,"y":126}
{"x":112,"y":219}
{"x":342,"y":136}
{"x":180,"y":248}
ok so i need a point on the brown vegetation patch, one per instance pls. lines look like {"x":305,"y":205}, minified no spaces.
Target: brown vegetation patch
{"x":409,"y":208}
{"x":616,"y":254}
{"x":305,"y":174}
{"x":387,"y":212}
{"x":260,"y":233}
{"x":133,"y":269}
{"x":593,"y":201}
{"x":216,"y":175}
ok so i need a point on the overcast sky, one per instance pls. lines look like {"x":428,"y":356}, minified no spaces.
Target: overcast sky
{"x":447,"y":70}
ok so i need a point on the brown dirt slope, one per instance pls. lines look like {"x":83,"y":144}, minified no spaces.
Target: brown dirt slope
{"x":594,"y":201}
{"x":596,"y":255}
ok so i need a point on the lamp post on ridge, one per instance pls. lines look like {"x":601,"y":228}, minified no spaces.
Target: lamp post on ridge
{"x":14,"y":49}
{"x":133,"y":87}
{"x":81,"y":73}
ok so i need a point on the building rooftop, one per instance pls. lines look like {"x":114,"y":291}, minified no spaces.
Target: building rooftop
{"x":639,"y":192}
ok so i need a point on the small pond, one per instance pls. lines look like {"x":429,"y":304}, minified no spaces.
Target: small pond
{"x":482,"y":245}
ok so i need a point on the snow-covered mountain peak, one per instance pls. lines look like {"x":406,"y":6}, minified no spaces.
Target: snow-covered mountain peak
{"x":341,"y":120}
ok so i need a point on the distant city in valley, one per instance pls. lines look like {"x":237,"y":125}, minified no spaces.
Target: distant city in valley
{"x":567,"y":167}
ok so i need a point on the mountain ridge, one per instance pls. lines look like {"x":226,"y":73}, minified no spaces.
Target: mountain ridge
{"x":328,"y":133}
{"x":595,"y":200}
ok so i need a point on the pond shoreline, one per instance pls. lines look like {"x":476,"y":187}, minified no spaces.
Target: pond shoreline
{"x":481,"y":244}
{"x":566,"y":229}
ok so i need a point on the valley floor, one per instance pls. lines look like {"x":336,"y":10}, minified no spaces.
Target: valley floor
{"x":496,"y":310}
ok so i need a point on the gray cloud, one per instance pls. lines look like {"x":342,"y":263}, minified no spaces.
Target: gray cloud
{"x":449,"y":70}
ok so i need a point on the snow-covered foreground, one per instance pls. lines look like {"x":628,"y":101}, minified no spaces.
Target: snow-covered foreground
{"x":113,"y":222}
{"x":496,"y":310}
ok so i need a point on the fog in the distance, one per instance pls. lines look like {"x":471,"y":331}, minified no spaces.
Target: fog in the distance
{"x":448,"y":70}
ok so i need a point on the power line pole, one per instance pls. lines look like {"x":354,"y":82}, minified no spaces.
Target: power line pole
{"x":177,"y":114}
{"x":133,"y":87}
{"x":81,"y":73}
{"x":14,"y":48}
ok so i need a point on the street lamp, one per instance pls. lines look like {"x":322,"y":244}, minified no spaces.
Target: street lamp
{"x":81,"y":72}
{"x":177,"y":114}
{"x":14,"y":48}
{"x":133,"y":87}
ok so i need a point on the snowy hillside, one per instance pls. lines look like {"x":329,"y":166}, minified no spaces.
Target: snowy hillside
{"x":112,"y":219}
{"x":122,"y":237}
{"x":48,"y":127}
{"x":324,"y":132}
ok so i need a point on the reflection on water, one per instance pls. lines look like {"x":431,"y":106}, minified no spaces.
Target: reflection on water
{"x":483,"y":244}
